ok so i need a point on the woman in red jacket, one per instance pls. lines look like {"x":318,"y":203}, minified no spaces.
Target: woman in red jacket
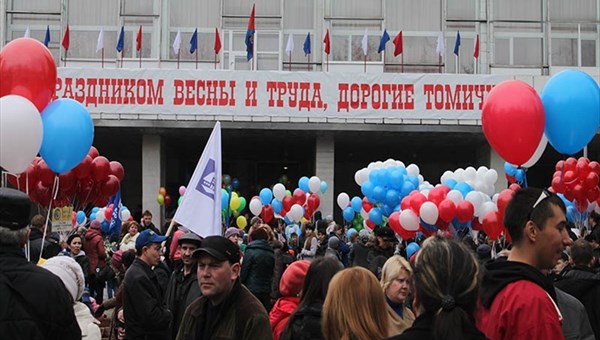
{"x":94,"y":249}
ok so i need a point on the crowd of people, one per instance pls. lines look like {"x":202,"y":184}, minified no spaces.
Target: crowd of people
{"x":309,"y":281}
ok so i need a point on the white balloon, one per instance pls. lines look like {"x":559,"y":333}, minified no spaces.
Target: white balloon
{"x":425,"y":192}
{"x":413,"y":169}
{"x":125,"y":214}
{"x":537,"y":154}
{"x":495,"y":198}
{"x":475,"y":198}
{"x":389,"y":163}
{"x":459,"y":175}
{"x":446,"y":176}
{"x":296,"y":212}
{"x":314,"y":184}
{"x":21,"y":133}
{"x":491,"y":177}
{"x":455,"y":196}
{"x":429,"y":212}
{"x":279,"y":191}
{"x":343,"y":200}
{"x":100,"y":215}
{"x":357,"y":177}
{"x":400,"y":164}
{"x":481,"y":171}
{"x":409,"y":220}
{"x":255,"y":206}
{"x":364,"y":214}
{"x":470,"y":173}
{"x":421,"y":179}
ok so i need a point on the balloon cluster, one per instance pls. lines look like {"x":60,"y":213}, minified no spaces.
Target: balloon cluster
{"x":577,"y":180}
{"x":293,"y":207}
{"x":232,"y":204}
{"x":94,"y":180}
{"x":163,"y":198}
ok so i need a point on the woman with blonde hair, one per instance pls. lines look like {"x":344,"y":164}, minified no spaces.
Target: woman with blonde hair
{"x":446,"y":281}
{"x":395,"y":282}
{"x":354,"y":308}
{"x":128,"y":241}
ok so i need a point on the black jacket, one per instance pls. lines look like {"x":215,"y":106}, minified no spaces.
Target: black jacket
{"x":304,"y":324}
{"x":181,"y":292}
{"x":377,"y":257}
{"x":146,"y":316}
{"x":422,"y":329}
{"x":51,"y":247}
{"x":582,"y":283}
{"x":34,"y":303}
{"x":257,"y":267}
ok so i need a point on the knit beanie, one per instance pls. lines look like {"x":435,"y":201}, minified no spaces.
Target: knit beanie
{"x":333,"y":242}
{"x":95,"y":225}
{"x":70,"y":272}
{"x":292,"y":280}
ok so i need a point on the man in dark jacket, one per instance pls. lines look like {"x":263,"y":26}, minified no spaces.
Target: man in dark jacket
{"x":257,"y":267}
{"x":51,"y":247}
{"x":146,"y":316}
{"x":183,"y":286}
{"x":382,"y":250}
{"x":227,"y":309}
{"x":34,"y":303}
{"x":583,"y":283}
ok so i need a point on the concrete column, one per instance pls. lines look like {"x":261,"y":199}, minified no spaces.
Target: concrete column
{"x":497,"y":163}
{"x":324,"y":169}
{"x":152,"y":176}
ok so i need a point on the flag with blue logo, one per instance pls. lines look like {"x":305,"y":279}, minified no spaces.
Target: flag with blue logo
{"x":200,"y":209}
{"x":115,"y":221}
{"x":307,"y":45}
{"x":250,"y":36}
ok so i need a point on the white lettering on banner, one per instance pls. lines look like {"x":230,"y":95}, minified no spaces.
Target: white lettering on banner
{"x":281,"y":94}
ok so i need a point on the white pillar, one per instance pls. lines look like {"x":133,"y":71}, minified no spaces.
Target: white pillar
{"x":497,"y":163}
{"x":324,"y":169}
{"x":151,"y":176}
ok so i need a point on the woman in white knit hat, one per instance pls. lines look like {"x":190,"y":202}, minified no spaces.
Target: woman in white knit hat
{"x":71,"y":275}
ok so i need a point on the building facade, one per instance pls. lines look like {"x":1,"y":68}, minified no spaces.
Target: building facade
{"x":318,"y":114}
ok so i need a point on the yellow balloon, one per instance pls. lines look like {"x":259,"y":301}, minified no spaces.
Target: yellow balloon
{"x":234,"y":194}
{"x":303,"y":220}
{"x":241,"y":222}
{"x":234,"y":202}
{"x":160,"y":199}
{"x":162,"y":191}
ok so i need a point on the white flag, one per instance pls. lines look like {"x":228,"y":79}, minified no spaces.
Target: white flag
{"x":177,"y":43}
{"x":200,"y":209}
{"x":290,"y":45}
{"x":27,"y":33}
{"x":441,"y":47}
{"x":365,"y":45}
{"x":100,"y":43}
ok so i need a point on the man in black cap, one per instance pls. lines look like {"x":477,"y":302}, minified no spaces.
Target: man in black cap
{"x":146,"y":315}
{"x":34,"y":303}
{"x":382,"y":250}
{"x":183,"y":286}
{"x":227,"y":309}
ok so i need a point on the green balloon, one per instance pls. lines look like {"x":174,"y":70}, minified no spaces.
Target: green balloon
{"x":242,"y":204}
{"x":179,"y":200}
{"x":288,"y":193}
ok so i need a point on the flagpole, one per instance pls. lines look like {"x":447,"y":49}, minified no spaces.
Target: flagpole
{"x":178,"y":53}
{"x":457,"y":62}
{"x":365,"y":70}
{"x":196,"y":52}
{"x":328,"y":63}
{"x":440,"y":63}
{"x":402,"y":61}
{"x":66,"y":52}
{"x":140,"y":58}
{"x":308,"y":65}
{"x":121,"y":59}
{"x":290,"y":63}
{"x":215,"y":61}
{"x":102,"y":57}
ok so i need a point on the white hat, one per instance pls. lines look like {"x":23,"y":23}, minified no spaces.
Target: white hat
{"x":70,"y":273}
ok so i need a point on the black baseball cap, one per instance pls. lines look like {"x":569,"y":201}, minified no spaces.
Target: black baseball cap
{"x":220,"y":248}
{"x":15,"y":208}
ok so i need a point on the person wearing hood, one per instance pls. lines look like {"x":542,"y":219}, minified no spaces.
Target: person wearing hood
{"x":94,"y":249}
{"x":290,"y":287}
{"x":258,"y":266}
{"x":74,"y":243}
{"x":517,"y":300}
{"x":582,"y":283}
{"x":71,"y":274}
{"x":333,"y":249}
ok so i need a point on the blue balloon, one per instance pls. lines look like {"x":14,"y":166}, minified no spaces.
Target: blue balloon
{"x":95,"y":210}
{"x":367,"y":188}
{"x":572,"y":214}
{"x":303,"y":184}
{"x":379,"y":194}
{"x":105,"y":226}
{"x":375,"y":216}
{"x":428,"y":226}
{"x":407,"y":188}
{"x":68,"y":134}
{"x":464,"y":188}
{"x":287,"y":220}
{"x":571,"y":101}
{"x":392,"y":197}
{"x":411,"y":248}
{"x":396,"y":179}
{"x":224,"y":200}
{"x":92,"y":216}
{"x":356,"y":203}
{"x":386,"y":210}
{"x":510,"y":169}
{"x":266,"y":196}
{"x":451,"y":183}
{"x":348,"y":214}
{"x":80,"y":218}
{"x":323,"y":187}
{"x":520,"y":175}
{"x":277,"y":205}
{"x":350,"y":232}
{"x":414,"y":180}
{"x":235,"y":183}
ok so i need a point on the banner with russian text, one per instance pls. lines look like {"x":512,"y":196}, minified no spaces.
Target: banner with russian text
{"x":277,"y":93}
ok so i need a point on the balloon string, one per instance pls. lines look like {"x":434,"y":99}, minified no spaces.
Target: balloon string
{"x":525,"y":185}
{"x":562,"y":173}
{"x":53,"y":197}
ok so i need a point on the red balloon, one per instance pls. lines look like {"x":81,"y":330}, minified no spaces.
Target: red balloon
{"x":299,"y":197}
{"x":370,"y":224}
{"x":582,"y":169}
{"x":405,"y":203}
{"x":168,"y":200}
{"x":594,"y":167}
{"x":593,"y":194}
{"x":108,"y":214}
{"x":394,"y":222}
{"x":492,"y":224}
{"x":570,"y":164}
{"x":366,"y":205}
{"x":590,"y":181}
{"x":101,"y":201}
{"x":416,"y":202}
{"x":514,"y":187}
{"x":66,"y":181}
{"x":45,"y":174}
{"x":100,"y":169}
{"x":559,"y":166}
{"x":111,"y":186}
{"x":437,"y":194}
{"x":117,"y":169}
{"x":465,"y":211}
{"x":475,"y":225}
{"x":447,"y":210}
{"x":570,"y":178}
{"x":581,"y":205}
{"x":28,"y":70}
{"x":84,"y":168}
{"x":558,"y":185}
{"x":93,"y":152}
{"x":505,"y":196}
{"x":287,"y":201}
{"x":509,"y":102}
{"x":313,"y":202}
{"x":579,"y":192}
{"x":267,"y":213}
